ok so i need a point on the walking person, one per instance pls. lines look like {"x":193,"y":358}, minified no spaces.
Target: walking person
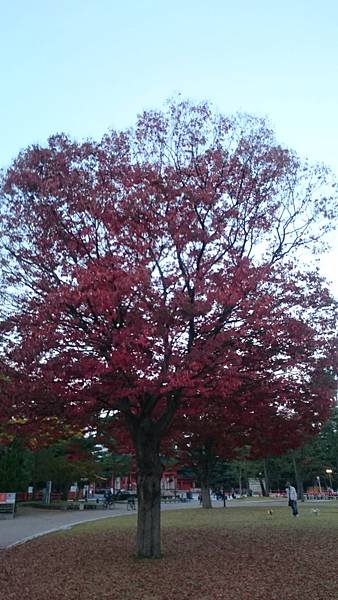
{"x":292,"y":498}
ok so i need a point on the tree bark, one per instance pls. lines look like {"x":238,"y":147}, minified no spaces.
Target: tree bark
{"x":240,"y":479}
{"x":299,"y":479}
{"x":207,"y":461}
{"x":205,"y":491}
{"x":266,"y":477}
{"x":261,"y":483}
{"x":149,"y":472}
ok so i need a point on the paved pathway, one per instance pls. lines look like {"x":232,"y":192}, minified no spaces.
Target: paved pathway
{"x":34,"y":522}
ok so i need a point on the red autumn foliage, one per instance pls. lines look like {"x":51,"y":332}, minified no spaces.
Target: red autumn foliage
{"x":155,"y":273}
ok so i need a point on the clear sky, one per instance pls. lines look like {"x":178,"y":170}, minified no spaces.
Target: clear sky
{"x":84,"y":66}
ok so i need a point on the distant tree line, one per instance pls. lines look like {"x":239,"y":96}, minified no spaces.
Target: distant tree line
{"x":83,"y":459}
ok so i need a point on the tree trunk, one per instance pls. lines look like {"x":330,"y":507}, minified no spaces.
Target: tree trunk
{"x":207,"y":461}
{"x":261,"y":483}
{"x":299,"y":479}
{"x":206,"y":498}
{"x":240,"y":479}
{"x":266,"y":477}
{"x":149,"y":471}
{"x":246,"y":476}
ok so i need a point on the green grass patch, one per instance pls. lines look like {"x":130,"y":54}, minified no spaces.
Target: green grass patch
{"x":225,"y":518}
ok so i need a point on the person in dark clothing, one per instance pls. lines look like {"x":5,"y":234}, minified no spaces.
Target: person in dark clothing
{"x":292,"y":498}
{"x":108,"y":498}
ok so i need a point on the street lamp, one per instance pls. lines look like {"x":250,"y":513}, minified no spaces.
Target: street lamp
{"x":329,"y":473}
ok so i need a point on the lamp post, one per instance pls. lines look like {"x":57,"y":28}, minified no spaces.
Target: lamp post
{"x":329,"y":473}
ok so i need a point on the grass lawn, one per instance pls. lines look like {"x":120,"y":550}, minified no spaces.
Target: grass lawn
{"x":231,"y":554}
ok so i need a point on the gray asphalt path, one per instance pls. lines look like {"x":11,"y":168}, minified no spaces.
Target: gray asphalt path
{"x":33,"y":522}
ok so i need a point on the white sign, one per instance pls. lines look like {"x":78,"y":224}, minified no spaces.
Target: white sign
{"x":7,"y":497}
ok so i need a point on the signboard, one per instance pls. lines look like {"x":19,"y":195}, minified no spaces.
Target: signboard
{"x":7,"y":497}
{"x":255,"y":486}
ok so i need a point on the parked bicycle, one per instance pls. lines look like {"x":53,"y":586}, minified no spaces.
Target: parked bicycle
{"x":131,"y":503}
{"x":108,"y":500}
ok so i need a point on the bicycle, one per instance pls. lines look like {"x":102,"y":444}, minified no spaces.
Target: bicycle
{"x":131,"y":504}
{"x":108,"y":503}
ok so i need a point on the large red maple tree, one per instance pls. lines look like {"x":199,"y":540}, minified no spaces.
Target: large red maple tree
{"x":142,"y":271}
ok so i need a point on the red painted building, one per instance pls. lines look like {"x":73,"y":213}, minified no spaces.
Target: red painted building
{"x":171,"y":482}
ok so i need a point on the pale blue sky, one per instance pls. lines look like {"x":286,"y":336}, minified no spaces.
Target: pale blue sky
{"x":83,"y":66}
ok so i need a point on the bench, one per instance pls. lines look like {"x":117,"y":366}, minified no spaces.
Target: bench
{"x":128,"y":502}
{"x":168,"y":498}
{"x":91,"y":504}
{"x":7,"y":505}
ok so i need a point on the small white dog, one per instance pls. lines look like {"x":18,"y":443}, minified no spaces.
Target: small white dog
{"x":315,"y":511}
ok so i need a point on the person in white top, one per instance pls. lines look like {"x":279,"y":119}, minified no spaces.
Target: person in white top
{"x":292,"y":498}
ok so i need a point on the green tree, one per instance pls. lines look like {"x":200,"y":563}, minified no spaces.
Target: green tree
{"x":109,"y":464}
{"x":15,"y":467}
{"x":64,"y":462}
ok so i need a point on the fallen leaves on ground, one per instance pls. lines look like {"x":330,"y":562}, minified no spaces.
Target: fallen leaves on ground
{"x":200,"y":564}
